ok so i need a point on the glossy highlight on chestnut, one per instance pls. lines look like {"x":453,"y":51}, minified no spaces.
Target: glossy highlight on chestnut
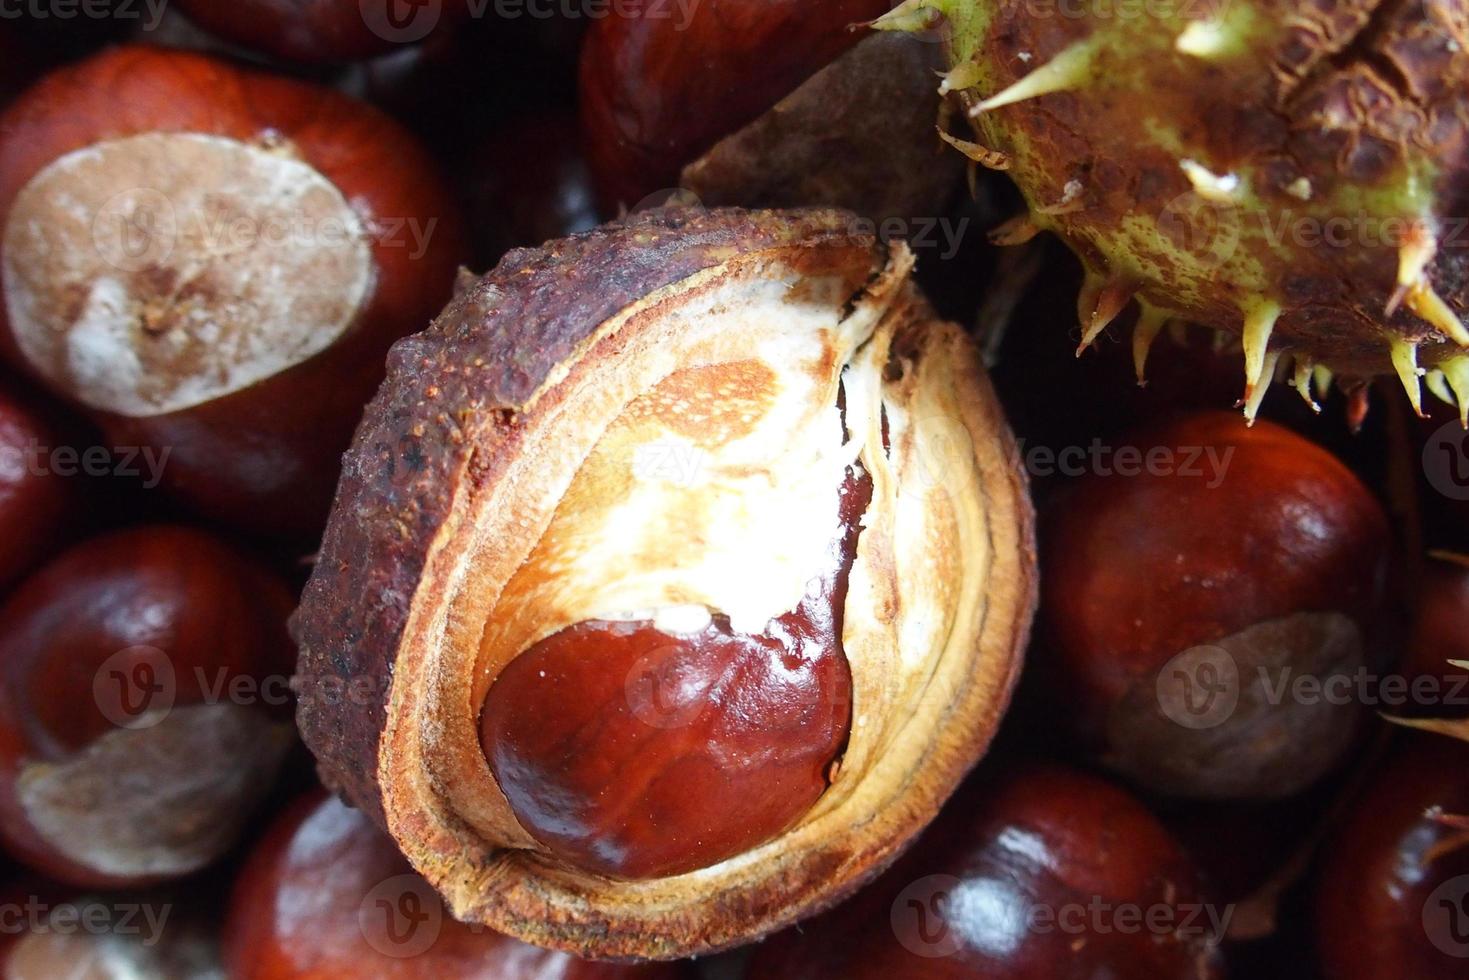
{"x":636,"y":752}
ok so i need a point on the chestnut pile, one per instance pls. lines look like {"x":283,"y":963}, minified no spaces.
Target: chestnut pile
{"x":784,"y":562}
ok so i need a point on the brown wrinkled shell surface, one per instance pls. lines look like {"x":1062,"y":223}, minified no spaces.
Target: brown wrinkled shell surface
{"x":447,"y":490}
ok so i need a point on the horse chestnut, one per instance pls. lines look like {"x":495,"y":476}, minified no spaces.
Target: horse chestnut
{"x":515,"y":206}
{"x":1190,"y":592}
{"x":660,"y":88}
{"x":689,"y":560}
{"x":35,"y":503}
{"x":1038,"y":872}
{"x":721,"y":740}
{"x":315,"y":31}
{"x":326,"y":894}
{"x":1392,"y":896}
{"x":215,"y":260}
{"x":1438,"y":640}
{"x":136,"y":730}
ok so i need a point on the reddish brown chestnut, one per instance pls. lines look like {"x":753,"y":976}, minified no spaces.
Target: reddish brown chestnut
{"x":214,"y":261}
{"x":1439,"y":636}
{"x":326,"y":894}
{"x":642,"y":749}
{"x":661,"y":87}
{"x":697,"y":560}
{"x":1206,"y":606}
{"x":321,"y":30}
{"x":143,"y":705}
{"x":36,"y":502}
{"x":1392,"y":897}
{"x":1039,"y":873}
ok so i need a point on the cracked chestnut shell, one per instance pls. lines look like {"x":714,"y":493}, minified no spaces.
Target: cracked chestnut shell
{"x":648,"y":427}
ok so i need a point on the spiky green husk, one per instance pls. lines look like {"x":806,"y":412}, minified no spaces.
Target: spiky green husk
{"x":1283,"y":171}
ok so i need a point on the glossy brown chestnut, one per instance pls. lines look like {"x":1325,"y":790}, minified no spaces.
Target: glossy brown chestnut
{"x":637,"y":752}
{"x":1040,"y":873}
{"x":325,"y":894}
{"x":1439,"y":635}
{"x":696,"y":561}
{"x":660,"y":88}
{"x":1197,"y":580}
{"x":144,"y":705}
{"x":36,"y":503}
{"x":214,"y":260}
{"x":321,"y":30}
{"x":1392,"y":895}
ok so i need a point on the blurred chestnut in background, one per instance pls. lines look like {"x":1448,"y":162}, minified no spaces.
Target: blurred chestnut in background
{"x":515,"y":205}
{"x":1439,"y":634}
{"x":1209,"y":594}
{"x":215,"y":261}
{"x":144,"y":706}
{"x":326,"y":894}
{"x":37,"y":504}
{"x":1443,"y":444}
{"x":15,"y":65}
{"x":1392,"y":897}
{"x":859,"y":134}
{"x":1038,"y":872}
{"x":317,"y":31}
{"x":661,"y":87}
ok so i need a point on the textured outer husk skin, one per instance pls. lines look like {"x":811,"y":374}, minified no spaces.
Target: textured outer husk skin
{"x":1346,"y":119}
{"x":448,"y":412}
